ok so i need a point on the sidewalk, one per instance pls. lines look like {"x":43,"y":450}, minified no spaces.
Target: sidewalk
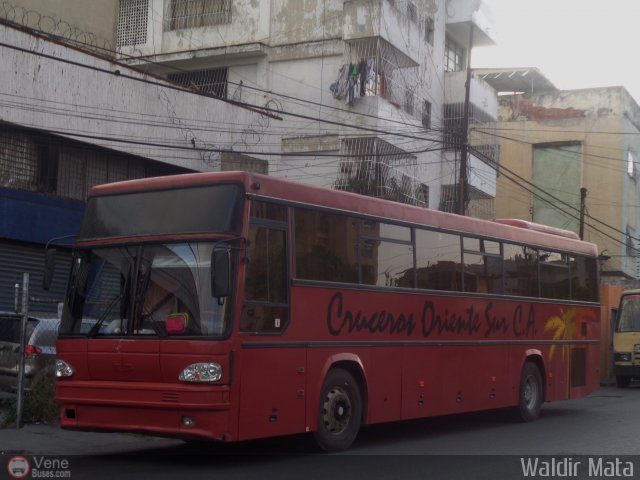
{"x":51,"y":440}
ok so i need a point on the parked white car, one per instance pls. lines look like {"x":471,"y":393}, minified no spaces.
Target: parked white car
{"x":40,"y":350}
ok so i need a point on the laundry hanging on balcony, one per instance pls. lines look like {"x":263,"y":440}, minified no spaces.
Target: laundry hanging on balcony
{"x":339,"y":87}
{"x":354,"y":80}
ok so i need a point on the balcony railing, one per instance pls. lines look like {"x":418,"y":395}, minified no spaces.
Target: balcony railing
{"x":182,"y":14}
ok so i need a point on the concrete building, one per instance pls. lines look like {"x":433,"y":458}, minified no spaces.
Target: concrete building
{"x":365,"y":87}
{"x":71,"y":119}
{"x":554,"y":143}
{"x":363,"y":95}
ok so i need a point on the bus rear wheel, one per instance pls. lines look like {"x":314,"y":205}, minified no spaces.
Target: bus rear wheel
{"x":531,"y":393}
{"x":339,"y":411}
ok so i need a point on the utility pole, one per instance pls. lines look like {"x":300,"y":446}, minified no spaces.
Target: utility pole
{"x":464,"y":134}
{"x":583,"y":196}
{"x":23,"y":346}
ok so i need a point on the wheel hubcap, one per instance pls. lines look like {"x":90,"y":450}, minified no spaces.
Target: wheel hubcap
{"x":336,"y":410}
{"x":530,"y":393}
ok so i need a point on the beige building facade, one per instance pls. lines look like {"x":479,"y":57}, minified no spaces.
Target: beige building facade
{"x":569,"y":159}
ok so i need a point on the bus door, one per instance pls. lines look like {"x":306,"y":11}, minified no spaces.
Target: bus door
{"x":272,"y":373}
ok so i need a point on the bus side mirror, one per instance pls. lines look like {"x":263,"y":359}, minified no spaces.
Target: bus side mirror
{"x":49,"y":268}
{"x":220,"y":273}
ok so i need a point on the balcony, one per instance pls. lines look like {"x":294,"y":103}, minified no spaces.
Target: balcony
{"x":481,"y":93}
{"x":463,"y":14}
{"x":400,"y":23}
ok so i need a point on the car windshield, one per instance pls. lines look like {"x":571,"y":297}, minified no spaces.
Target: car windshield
{"x":153,"y":290}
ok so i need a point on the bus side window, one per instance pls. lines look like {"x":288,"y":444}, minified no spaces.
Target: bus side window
{"x":438,"y":260}
{"x":520,"y":270}
{"x":265,"y":306}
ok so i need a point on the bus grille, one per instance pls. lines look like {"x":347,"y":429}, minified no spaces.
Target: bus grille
{"x":170,"y":397}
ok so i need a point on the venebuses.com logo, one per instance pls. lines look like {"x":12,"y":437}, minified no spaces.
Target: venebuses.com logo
{"x":19,"y":466}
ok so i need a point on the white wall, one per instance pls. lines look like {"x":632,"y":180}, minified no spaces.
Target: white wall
{"x":67,"y":98}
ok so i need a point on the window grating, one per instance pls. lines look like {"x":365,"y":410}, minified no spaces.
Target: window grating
{"x":426,"y":114}
{"x":52,"y":166}
{"x":407,"y":106}
{"x":390,"y":73}
{"x":118,"y":169}
{"x":19,"y":162}
{"x":97,"y":170}
{"x":197,"y":13}
{"x":133,"y":16}
{"x":212,"y":81}
{"x":71,"y":175}
{"x":377,"y":168}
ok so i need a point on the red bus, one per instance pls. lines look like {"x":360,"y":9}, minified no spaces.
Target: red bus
{"x":233,"y":306}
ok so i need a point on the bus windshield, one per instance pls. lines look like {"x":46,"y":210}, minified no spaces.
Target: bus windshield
{"x":151,"y":290}
{"x":629,"y":316}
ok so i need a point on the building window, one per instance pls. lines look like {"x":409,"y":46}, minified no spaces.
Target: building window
{"x":429,"y":29}
{"x":423,"y":195}
{"x":426,"y":114}
{"x":412,"y":11}
{"x":213,"y":81}
{"x":454,"y":56}
{"x":408,"y":101}
{"x":197,"y":13}
{"x":132,"y":22}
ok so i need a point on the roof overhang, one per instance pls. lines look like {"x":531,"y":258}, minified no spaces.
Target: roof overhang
{"x":516,"y":80}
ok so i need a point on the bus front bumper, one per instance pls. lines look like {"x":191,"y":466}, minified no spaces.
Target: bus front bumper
{"x":150,"y":409}
{"x":626,"y":370}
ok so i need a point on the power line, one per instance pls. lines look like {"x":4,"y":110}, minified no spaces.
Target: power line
{"x":546,"y":192}
{"x":258,"y":109}
{"x":510,"y":176}
{"x":516,"y":140}
{"x":271,"y":92}
{"x":222,"y":150}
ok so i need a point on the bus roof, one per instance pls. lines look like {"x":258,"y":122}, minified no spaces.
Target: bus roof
{"x":518,"y":231}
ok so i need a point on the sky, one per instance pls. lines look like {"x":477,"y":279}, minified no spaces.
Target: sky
{"x":574,"y":43}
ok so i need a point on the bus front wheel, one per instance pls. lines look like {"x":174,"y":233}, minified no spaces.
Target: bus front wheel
{"x":339,"y":411}
{"x":531,"y":393}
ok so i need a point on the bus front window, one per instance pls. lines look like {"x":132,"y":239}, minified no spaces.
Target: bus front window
{"x":164,"y":289}
{"x":629,"y":317}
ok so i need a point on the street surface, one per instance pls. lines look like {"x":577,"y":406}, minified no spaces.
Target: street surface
{"x":471,"y":446}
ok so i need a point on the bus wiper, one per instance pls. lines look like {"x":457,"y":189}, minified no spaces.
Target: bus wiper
{"x":124,"y":294}
{"x":94,"y":330}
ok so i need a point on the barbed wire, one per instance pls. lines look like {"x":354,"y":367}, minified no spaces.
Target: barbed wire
{"x":49,"y":25}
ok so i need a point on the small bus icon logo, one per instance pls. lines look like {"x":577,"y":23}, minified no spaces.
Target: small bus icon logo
{"x":18,"y":467}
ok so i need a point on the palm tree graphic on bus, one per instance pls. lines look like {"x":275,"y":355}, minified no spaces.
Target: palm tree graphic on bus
{"x":564,"y":328}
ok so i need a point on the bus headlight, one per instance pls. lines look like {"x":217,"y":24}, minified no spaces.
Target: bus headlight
{"x":636,"y":348}
{"x":622,"y":357}
{"x":201,"y":373}
{"x":63,"y":369}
